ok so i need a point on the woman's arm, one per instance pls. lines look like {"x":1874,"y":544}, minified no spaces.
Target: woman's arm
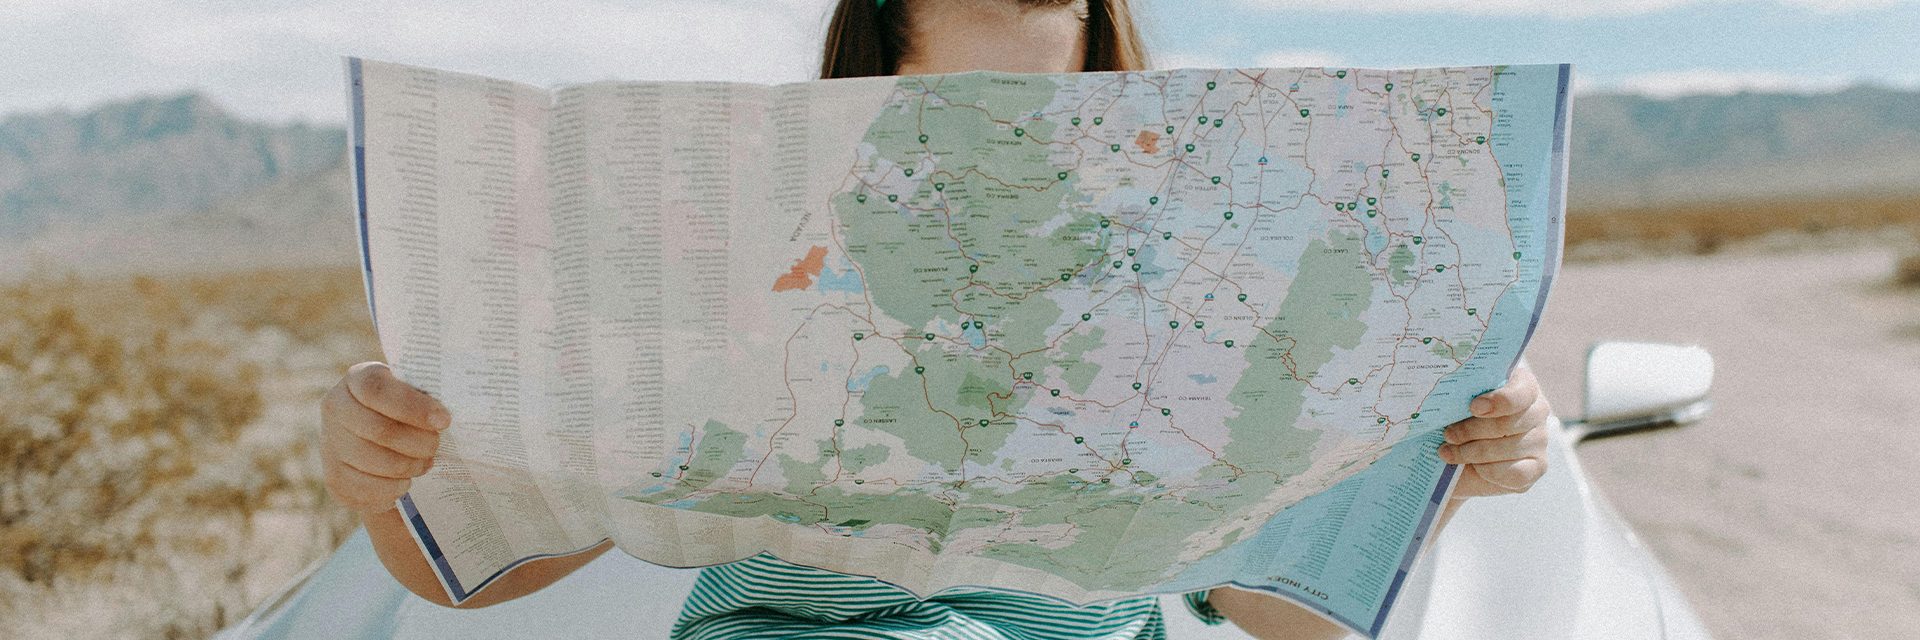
{"x":1502,"y":449}
{"x":377,"y":434}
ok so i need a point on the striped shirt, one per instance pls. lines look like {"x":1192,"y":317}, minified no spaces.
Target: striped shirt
{"x":764,"y":597}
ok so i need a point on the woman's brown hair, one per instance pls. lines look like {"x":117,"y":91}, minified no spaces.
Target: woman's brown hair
{"x":869,"y":38}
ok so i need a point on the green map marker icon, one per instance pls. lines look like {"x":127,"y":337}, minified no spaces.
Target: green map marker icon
{"x":1210,"y":85}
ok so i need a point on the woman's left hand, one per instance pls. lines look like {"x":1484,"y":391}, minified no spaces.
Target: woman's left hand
{"x":1503,"y":447}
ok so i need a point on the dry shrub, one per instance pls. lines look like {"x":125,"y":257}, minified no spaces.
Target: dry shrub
{"x":146,"y":426}
{"x":1705,"y":228}
{"x":1906,"y":273}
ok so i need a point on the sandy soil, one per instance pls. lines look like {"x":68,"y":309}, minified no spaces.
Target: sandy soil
{"x":1793,"y":510}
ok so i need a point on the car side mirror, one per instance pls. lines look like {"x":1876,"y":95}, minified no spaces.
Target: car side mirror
{"x":1632,"y":386}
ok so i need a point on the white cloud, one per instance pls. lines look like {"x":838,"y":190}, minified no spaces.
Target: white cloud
{"x":1183,"y":60}
{"x":1549,"y":8}
{"x":1670,"y":84}
{"x":280,"y":60}
{"x":1293,"y":58}
{"x":1274,"y":58}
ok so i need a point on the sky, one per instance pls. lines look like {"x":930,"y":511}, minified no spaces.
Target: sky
{"x":279,"y":60}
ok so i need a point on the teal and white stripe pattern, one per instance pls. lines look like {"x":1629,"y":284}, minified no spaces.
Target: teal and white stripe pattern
{"x":764,"y":597}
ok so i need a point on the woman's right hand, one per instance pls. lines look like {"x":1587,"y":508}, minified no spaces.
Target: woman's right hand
{"x":376,"y":434}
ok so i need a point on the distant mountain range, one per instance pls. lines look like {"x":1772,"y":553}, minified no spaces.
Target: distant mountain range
{"x":1633,"y":151}
{"x":169,"y":182}
{"x":179,"y":182}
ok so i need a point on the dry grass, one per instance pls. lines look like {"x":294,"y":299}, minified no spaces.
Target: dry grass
{"x":1707,"y":228}
{"x":156,"y":436}
{"x":1907,"y":272}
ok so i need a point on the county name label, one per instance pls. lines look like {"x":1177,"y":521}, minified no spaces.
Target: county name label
{"x":1087,"y":335}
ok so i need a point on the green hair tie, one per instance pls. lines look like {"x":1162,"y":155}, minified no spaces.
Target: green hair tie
{"x":879,"y":4}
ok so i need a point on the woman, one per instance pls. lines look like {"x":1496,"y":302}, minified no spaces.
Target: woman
{"x":378,"y":432}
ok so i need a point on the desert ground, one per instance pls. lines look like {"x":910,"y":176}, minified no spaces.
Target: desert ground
{"x":1791,"y":510}
{"x":162,"y":479}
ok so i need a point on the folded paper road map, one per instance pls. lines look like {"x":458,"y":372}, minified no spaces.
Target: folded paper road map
{"x":1086,"y":335}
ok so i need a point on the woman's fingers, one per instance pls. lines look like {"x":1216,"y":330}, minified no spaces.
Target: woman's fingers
{"x":375,"y":387}
{"x":1520,"y":391}
{"x":373,"y":459}
{"x":1514,"y":447}
{"x":1511,"y":476}
{"x":1472,"y":429}
{"x":362,"y":492}
{"x":404,"y":439}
